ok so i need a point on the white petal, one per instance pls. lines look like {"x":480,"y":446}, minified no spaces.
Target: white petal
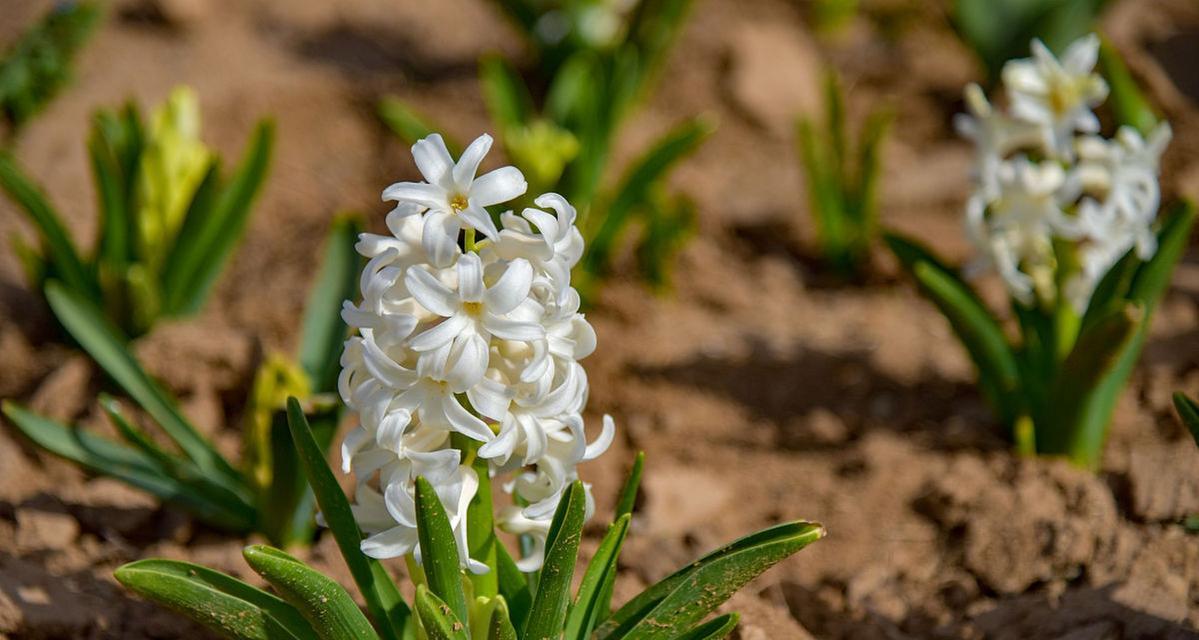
{"x":433,"y":159}
{"x":470,"y":278}
{"x":511,"y":289}
{"x":510,"y":329}
{"x":604,"y":440}
{"x":501,"y":185}
{"x":354,"y":442}
{"x":440,"y":335}
{"x":468,"y":362}
{"x":392,"y":543}
{"x":468,"y":164}
{"x":426,"y":195}
{"x":440,"y":237}
{"x":490,"y":398}
{"x":476,"y":217}
{"x":430,"y":293}
{"x":463,"y":422}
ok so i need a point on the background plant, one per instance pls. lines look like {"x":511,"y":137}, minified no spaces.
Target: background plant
{"x":168,"y":218}
{"x":842,"y":184}
{"x":268,"y":494}
{"x":450,"y":606}
{"x":38,"y":66}
{"x":1067,"y":219}
{"x":593,"y":61}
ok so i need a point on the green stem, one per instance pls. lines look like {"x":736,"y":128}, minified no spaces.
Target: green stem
{"x":480,"y":520}
{"x":469,"y":240}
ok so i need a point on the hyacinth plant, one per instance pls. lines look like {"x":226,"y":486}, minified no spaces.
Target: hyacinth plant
{"x":38,"y":65}
{"x":168,"y":219}
{"x":842,"y":185}
{"x":464,"y":373}
{"x":268,"y":493}
{"x":1068,"y":219}
{"x":593,"y":61}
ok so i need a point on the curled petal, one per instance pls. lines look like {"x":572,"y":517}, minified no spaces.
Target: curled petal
{"x":501,"y":185}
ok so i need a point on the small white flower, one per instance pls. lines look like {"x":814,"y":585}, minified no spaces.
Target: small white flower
{"x":454,"y":197}
{"x":1057,"y":94}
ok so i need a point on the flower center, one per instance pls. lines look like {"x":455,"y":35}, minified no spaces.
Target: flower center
{"x":458,"y":202}
{"x":473,"y":309}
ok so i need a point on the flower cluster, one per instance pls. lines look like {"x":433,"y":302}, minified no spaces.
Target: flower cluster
{"x":1056,"y":204}
{"x":476,"y":338}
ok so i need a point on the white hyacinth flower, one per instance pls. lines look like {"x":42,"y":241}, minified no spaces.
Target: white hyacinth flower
{"x":1057,"y":95}
{"x":484,"y":343}
{"x":1091,"y":197}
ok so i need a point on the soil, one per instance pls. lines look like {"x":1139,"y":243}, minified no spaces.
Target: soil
{"x":761,"y":390}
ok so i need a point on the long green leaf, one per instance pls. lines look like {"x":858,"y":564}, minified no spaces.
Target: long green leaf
{"x":323,"y":332}
{"x":500,"y":627}
{"x":105,"y":457}
{"x":632,"y":483}
{"x":687,"y":596}
{"x":589,"y":606}
{"x":222,"y":603}
{"x":382,"y":598}
{"x":714,"y":629}
{"x":548,"y":614}
{"x":1128,"y":103}
{"x":438,"y":549}
{"x":204,"y":245}
{"x":60,"y":251}
{"x":1188,"y":411}
{"x":974,"y":325}
{"x":323,"y":603}
{"x":437,"y":617}
{"x":110,"y":350}
{"x":1146,"y":290}
{"x":514,"y":587}
{"x":507,"y":99}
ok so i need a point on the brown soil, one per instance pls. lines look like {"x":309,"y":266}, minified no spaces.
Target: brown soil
{"x":761,"y":392}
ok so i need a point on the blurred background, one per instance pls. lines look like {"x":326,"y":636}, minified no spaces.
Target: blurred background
{"x":762,"y":386}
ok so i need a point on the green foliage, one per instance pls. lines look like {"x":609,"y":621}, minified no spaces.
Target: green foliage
{"x":1000,"y":30}
{"x":1188,"y":410}
{"x":269,"y":494}
{"x":676,"y":608}
{"x":38,"y":66}
{"x":560,"y":120}
{"x":1063,"y":378}
{"x":1129,"y":105}
{"x":842,"y":188}
{"x":168,"y":219}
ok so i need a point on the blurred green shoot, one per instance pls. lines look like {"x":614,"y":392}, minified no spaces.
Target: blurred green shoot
{"x":168,"y":219}
{"x":830,"y":16}
{"x":843,"y":185}
{"x":560,"y":119}
{"x":1128,"y":103}
{"x":450,"y":605}
{"x":1000,"y":30}
{"x":38,"y":65}
{"x":268,"y":494}
{"x":1188,"y":411}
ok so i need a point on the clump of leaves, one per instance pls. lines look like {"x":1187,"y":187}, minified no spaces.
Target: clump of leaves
{"x":842,"y":185}
{"x":1000,"y":30}
{"x":560,"y":119}
{"x":168,"y":219}
{"x":505,"y":604}
{"x":268,"y":494}
{"x":38,"y":66}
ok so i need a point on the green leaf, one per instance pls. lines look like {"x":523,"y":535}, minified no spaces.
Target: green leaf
{"x":714,"y":629}
{"x":548,"y":614}
{"x":110,"y":350}
{"x":1128,"y":103}
{"x":323,"y":603}
{"x":635,"y":189}
{"x":285,"y":512}
{"x":323,"y":333}
{"x":211,"y":504}
{"x":1188,"y":410}
{"x":439,"y":550}
{"x":60,"y":251}
{"x":38,"y":66}
{"x":116,"y":220}
{"x":1089,"y":430}
{"x":979,"y":332}
{"x":437,"y":617}
{"x":499,"y":626}
{"x":674,"y":604}
{"x":382,"y":598}
{"x":409,"y":125}
{"x":632,"y":483}
{"x":514,"y":587}
{"x":590,"y":607}
{"x":224,"y":604}
{"x":507,"y":99}
{"x":480,"y":521}
{"x":204,"y":244}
